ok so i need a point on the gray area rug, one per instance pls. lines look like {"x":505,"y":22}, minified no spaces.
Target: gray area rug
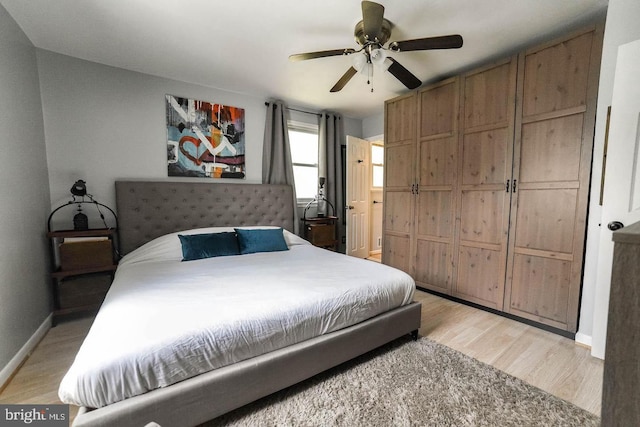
{"x":410,"y":383}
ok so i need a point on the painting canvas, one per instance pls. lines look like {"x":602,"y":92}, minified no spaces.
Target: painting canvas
{"x":204,"y":139}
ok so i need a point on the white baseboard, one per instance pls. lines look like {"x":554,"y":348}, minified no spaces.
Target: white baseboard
{"x":583,"y":339}
{"x":7,"y":372}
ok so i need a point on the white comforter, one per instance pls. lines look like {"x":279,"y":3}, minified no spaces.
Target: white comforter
{"x":164,"y":320}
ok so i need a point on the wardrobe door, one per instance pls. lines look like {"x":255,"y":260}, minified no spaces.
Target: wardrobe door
{"x":557,"y":87}
{"x":437,"y":180}
{"x":483,"y":199}
{"x":399,"y":179}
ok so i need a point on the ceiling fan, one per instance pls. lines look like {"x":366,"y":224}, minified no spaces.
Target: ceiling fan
{"x":371,"y":34}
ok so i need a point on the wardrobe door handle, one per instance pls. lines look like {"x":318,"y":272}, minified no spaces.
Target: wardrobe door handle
{"x":514,"y":185}
{"x":507,"y":187}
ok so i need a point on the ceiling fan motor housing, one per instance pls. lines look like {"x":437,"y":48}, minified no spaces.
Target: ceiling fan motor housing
{"x":380,"y":39}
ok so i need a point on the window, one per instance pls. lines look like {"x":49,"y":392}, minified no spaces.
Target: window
{"x":377,"y":165}
{"x":303,"y":139}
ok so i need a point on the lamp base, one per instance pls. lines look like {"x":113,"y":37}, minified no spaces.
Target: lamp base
{"x":80,"y":222}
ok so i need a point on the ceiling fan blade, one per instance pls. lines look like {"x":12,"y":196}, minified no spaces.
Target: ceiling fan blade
{"x":344,"y":79}
{"x":372,"y":16}
{"x":428,"y":43}
{"x":320,"y":54}
{"x":405,"y":76}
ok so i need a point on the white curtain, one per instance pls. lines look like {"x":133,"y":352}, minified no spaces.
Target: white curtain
{"x":331,"y":138}
{"x":277,"y":167}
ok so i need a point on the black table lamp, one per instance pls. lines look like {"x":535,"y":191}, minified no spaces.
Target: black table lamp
{"x":79,"y":188}
{"x":80,"y":220}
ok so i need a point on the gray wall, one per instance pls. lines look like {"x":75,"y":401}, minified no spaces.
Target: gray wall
{"x":373,"y":126}
{"x":352,"y":127}
{"x":105,"y":123}
{"x":24,"y":255}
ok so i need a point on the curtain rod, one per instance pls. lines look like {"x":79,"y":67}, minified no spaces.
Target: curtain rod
{"x":300,"y":111}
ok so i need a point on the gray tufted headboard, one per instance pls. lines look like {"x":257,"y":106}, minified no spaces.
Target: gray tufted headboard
{"x":149,"y":209}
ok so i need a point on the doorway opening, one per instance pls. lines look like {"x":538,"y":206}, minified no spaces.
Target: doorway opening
{"x":364,"y":181}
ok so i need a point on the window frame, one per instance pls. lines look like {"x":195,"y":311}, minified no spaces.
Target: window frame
{"x":373,"y":165}
{"x":309,"y":128}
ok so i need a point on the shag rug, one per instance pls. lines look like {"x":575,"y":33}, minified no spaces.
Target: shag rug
{"x":410,"y":383}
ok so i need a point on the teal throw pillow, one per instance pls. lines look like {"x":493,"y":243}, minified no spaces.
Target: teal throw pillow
{"x":261,"y":240}
{"x":199,"y":246}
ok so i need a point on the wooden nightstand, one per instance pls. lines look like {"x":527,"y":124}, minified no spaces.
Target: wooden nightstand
{"x":321,"y":232}
{"x":83,"y":266}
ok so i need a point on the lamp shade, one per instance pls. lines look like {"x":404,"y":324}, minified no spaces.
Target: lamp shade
{"x":360,"y":61}
{"x":79,"y":188}
{"x":378,"y":56}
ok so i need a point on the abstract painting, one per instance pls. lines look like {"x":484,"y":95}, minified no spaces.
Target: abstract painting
{"x":204,"y":139}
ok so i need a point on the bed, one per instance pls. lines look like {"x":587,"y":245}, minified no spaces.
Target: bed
{"x":152,"y":353}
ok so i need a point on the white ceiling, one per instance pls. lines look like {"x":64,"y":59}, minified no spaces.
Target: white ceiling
{"x":243,"y":45}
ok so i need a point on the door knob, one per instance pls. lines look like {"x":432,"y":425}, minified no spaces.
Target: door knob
{"x":349,"y":208}
{"x":615,"y":225}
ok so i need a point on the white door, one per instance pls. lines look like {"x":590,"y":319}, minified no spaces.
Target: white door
{"x":357,"y":209}
{"x":622,"y":178}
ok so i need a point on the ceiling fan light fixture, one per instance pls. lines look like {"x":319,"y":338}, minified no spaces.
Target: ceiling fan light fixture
{"x":360,"y":61}
{"x":384,"y":66}
{"x":378,"y":57}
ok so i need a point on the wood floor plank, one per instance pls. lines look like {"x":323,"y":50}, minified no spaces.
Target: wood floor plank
{"x":543,"y":359}
{"x":495,"y":340}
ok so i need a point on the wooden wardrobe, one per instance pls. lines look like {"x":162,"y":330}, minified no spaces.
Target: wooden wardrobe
{"x":487,"y":180}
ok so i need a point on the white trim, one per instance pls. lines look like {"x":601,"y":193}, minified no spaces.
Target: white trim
{"x":584,"y":339}
{"x":7,"y":372}
{"x":302,"y":126}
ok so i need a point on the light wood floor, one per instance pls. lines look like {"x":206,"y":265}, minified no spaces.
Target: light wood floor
{"x":546,"y":360}
{"x":375,"y":257}
{"x":543,"y":359}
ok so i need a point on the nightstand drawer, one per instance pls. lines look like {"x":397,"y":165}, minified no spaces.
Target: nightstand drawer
{"x":321,"y":231}
{"x":321,"y":234}
{"x":79,"y":255}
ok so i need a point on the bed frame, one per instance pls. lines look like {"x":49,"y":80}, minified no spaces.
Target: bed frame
{"x":147,"y":210}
